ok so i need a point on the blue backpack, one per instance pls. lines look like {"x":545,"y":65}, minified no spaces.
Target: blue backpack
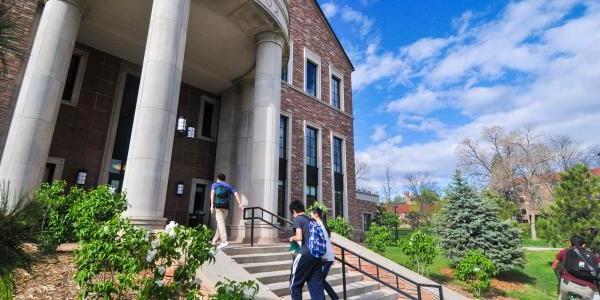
{"x":222,"y":194}
{"x":317,"y":244}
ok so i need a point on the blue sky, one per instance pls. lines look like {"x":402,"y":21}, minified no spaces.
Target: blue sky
{"x":432,"y":73}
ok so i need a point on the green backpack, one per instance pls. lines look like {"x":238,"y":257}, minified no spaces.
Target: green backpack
{"x":222,"y":194}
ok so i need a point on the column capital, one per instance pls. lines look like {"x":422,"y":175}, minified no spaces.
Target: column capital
{"x":79,"y":4}
{"x":272,"y":37}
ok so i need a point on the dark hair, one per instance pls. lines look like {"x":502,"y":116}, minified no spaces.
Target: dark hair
{"x":577,"y":241}
{"x":296,"y":206}
{"x":323,"y":217}
{"x":221,"y":177}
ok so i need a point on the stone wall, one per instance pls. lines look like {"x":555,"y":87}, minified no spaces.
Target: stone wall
{"x":26,"y":18}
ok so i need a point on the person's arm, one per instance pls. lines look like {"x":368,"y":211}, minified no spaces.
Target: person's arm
{"x":555,"y":264}
{"x":298,"y":236}
{"x":239,"y":201}
{"x":212,"y":200}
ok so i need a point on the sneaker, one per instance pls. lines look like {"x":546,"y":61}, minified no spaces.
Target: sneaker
{"x":222,"y":245}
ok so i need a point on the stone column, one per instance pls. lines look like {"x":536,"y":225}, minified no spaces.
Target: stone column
{"x":39,"y":99}
{"x":149,"y":158}
{"x":265,"y":128}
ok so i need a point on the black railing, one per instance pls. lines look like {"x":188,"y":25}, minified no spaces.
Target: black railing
{"x":258,"y":213}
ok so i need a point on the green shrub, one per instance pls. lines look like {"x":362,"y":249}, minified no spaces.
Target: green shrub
{"x":232,"y":290}
{"x":17,"y":226}
{"x":119,"y":259}
{"x":476,"y":270}
{"x":421,"y":248}
{"x":340,"y":226}
{"x":73,"y":214}
{"x":377,"y":238}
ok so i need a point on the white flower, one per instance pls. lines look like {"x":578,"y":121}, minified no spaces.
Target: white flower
{"x":476,"y":269}
{"x":146,"y":235}
{"x":170,"y":229}
{"x":155,"y":243}
{"x":161,"y":270}
{"x":159,"y":282}
{"x":112,"y":190}
{"x":106,"y":229}
{"x":120,"y":233}
{"x":150,"y":256}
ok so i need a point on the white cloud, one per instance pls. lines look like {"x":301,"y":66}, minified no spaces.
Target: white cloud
{"x":330,"y":9}
{"x":536,"y":63}
{"x":364,"y":24}
{"x":379,"y":133}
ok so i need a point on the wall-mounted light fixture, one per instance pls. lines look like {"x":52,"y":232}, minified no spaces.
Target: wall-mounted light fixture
{"x":179,"y":189}
{"x":181,"y":126}
{"x":191,"y":132}
{"x":81,"y":177}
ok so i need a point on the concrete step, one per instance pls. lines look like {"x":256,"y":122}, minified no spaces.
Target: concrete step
{"x":262,"y":267}
{"x":283,"y":288}
{"x":262,"y":257}
{"x":284,"y":275}
{"x":381,"y":294}
{"x":245,"y":249}
{"x":353,"y":289}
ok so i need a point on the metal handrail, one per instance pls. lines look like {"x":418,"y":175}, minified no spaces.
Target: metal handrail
{"x":254,"y":216}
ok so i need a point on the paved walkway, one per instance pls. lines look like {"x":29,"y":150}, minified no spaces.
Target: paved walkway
{"x":541,"y":249}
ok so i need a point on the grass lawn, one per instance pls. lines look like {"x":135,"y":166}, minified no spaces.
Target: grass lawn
{"x":535,"y":281}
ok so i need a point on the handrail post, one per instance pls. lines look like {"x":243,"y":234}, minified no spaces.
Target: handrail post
{"x":344,"y":272}
{"x":252,"y":230}
{"x":419,"y":291}
{"x":440,"y":289}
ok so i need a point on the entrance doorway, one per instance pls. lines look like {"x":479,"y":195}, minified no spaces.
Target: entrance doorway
{"x":199,"y":210}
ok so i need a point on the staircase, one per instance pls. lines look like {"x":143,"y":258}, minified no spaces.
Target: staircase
{"x":271,"y":265}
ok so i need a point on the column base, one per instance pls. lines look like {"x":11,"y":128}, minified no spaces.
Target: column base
{"x":150,"y":223}
{"x":263,"y":234}
{"x":236,"y":233}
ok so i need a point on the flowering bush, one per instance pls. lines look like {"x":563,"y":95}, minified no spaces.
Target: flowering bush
{"x":476,"y":270}
{"x":120,"y":259}
{"x":232,"y":290}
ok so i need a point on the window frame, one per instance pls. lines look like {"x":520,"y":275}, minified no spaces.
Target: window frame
{"x":199,"y":127}
{"x":334,"y":72}
{"x":365,"y":229}
{"x":59,"y":164}
{"x":290,"y":64}
{"x":344,"y":172}
{"x":319,"y":159}
{"x":289,"y":144}
{"x":315,"y":59}
{"x":83,"y":58}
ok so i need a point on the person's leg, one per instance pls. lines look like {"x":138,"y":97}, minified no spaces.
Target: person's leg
{"x":221,"y":224}
{"x":326,"y":267}
{"x":315,"y":281}
{"x":300,"y":269}
{"x":217,"y":233}
{"x":579,"y":290}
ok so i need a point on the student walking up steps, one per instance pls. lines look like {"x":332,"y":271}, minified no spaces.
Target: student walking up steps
{"x":308,"y":263}
{"x":220,"y":195}
{"x":328,"y":258}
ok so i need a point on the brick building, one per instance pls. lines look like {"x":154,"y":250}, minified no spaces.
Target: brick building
{"x":156,"y":97}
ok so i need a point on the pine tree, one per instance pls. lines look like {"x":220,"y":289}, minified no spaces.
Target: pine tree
{"x":469,"y":221}
{"x":576,"y":207}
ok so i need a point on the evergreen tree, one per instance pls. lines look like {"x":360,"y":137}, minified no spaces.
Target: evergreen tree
{"x":469,"y":221}
{"x":576,"y":207}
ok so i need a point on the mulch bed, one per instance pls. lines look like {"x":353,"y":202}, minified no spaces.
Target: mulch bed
{"x":50,"y":277}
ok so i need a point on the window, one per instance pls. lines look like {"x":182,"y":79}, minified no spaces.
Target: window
{"x":312,"y":74}
{"x":287,"y":73}
{"x":336,"y":86}
{"x":74,"y":77}
{"x":311,"y":146}
{"x":367,"y":221}
{"x":208,"y":118}
{"x":311,"y":78}
{"x":311,"y":195}
{"x":283,"y":162}
{"x":335,"y":92}
{"x":338,"y":176}
{"x":312,"y":164}
{"x":53,"y":169}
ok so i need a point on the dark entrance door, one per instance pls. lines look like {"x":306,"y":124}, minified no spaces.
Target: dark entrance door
{"x":199,"y":212}
{"x":116,"y":171}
